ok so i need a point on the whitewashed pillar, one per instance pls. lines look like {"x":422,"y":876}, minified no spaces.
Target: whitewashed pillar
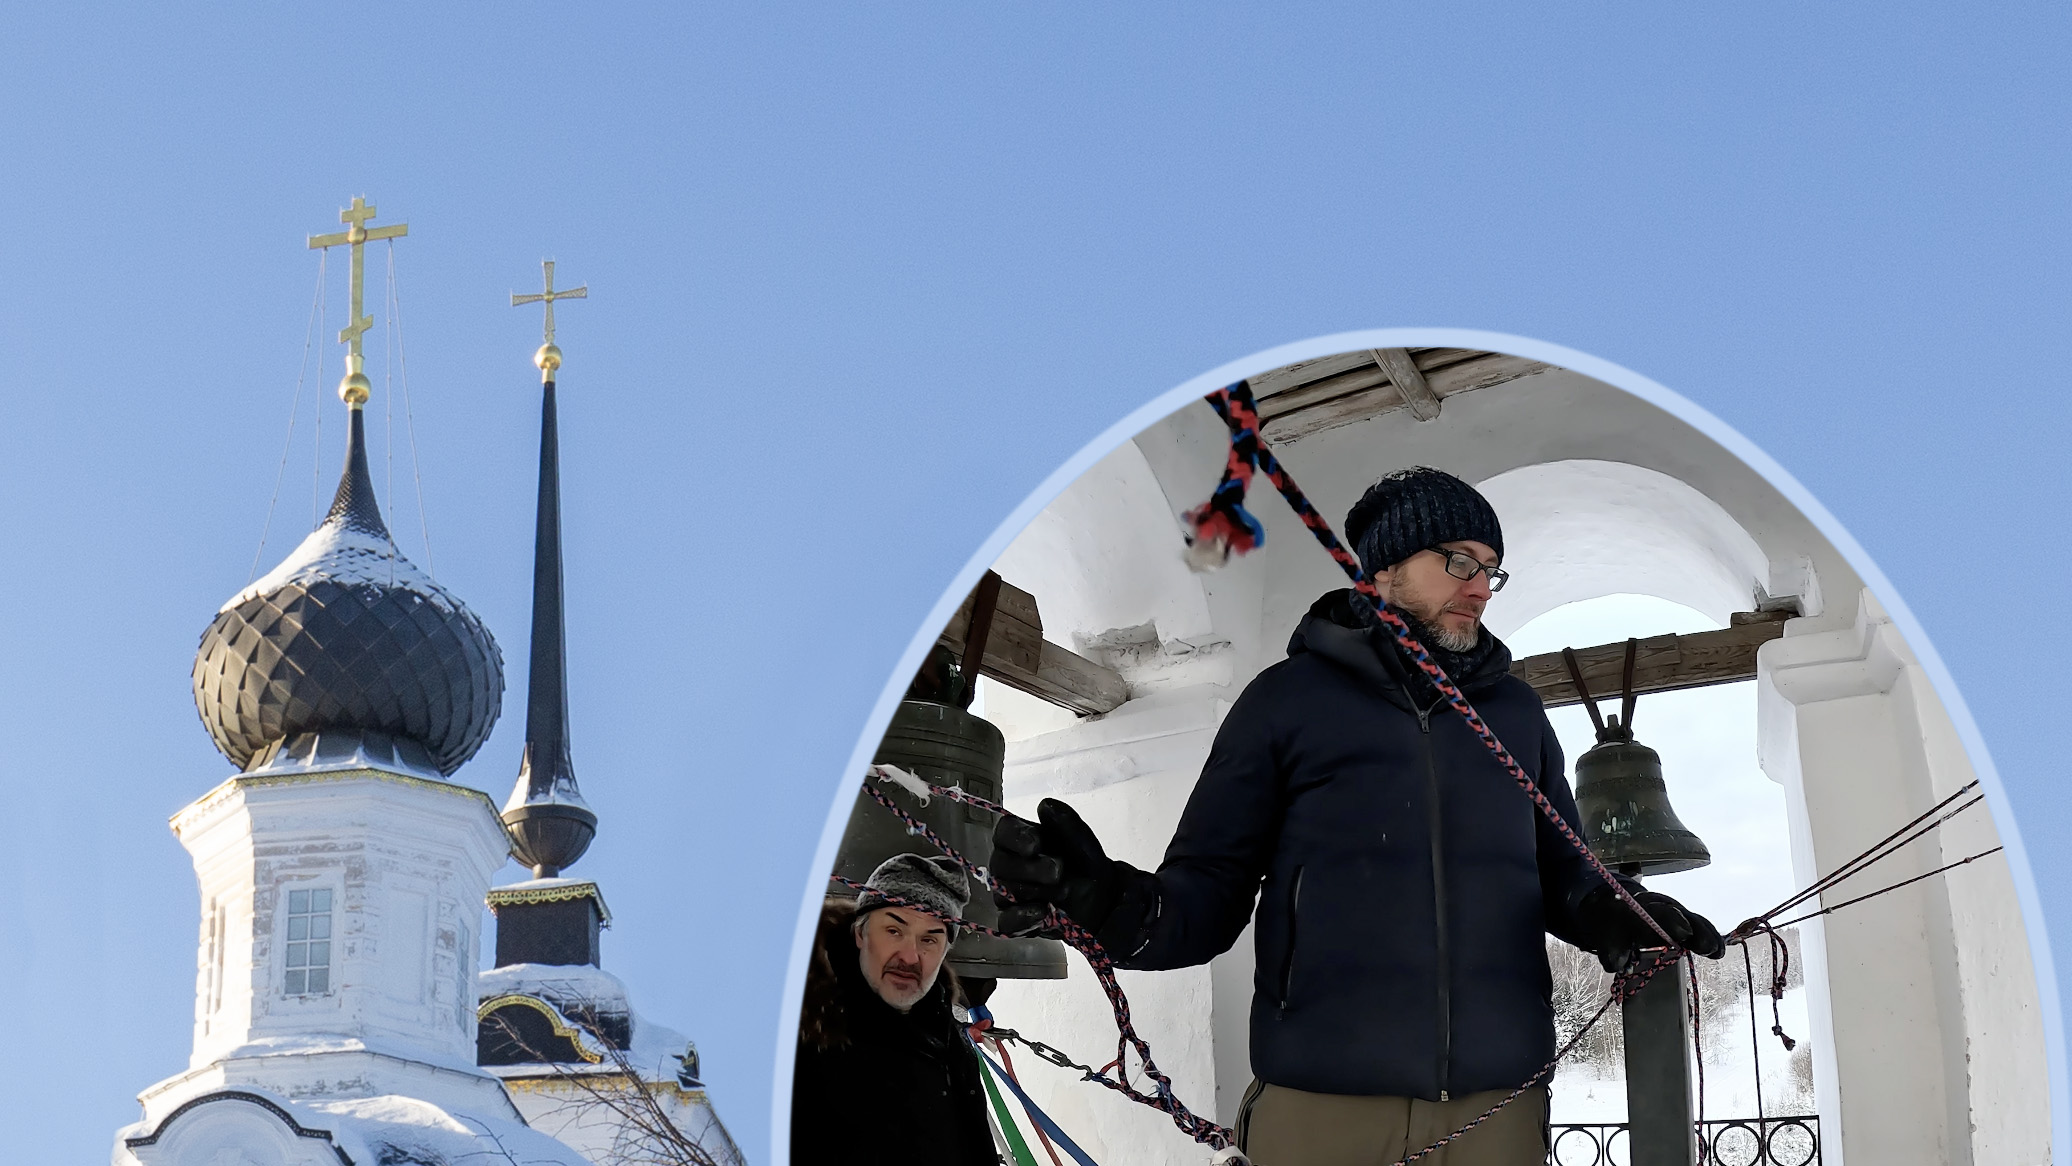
{"x":1923,"y":1015}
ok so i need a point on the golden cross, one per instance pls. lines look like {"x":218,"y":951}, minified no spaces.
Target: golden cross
{"x":550,"y":295}
{"x":355,"y":235}
{"x":548,"y":358}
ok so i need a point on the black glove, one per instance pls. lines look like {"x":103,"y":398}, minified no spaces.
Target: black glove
{"x":1616,"y":934}
{"x":1058,"y":860}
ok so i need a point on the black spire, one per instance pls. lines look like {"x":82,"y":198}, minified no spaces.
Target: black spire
{"x":550,"y":825}
{"x":354,"y":505}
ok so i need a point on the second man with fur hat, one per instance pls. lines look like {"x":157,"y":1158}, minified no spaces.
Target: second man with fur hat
{"x":884,"y":1073}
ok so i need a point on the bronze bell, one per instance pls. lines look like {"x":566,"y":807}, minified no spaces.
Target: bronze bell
{"x":946,"y":746}
{"x":1620,"y":794}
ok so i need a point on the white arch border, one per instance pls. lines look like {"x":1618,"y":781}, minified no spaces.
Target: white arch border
{"x":840,"y":796}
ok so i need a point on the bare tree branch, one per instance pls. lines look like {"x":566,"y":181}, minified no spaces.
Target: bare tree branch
{"x":615,"y":1087}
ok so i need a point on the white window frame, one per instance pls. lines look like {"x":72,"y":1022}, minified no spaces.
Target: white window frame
{"x":307,"y":936}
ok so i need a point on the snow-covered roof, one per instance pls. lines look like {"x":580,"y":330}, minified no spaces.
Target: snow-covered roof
{"x":346,"y":553}
{"x":656,"y":1051}
{"x":387,"y":1129}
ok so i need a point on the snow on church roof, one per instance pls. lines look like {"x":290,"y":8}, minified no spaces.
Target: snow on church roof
{"x":346,"y":553}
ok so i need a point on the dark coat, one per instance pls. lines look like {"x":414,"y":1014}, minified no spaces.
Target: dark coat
{"x":865,"y":1070}
{"x":1404,"y":883}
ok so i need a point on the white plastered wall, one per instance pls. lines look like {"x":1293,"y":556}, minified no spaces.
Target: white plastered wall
{"x":1600,"y":493}
{"x":408,"y":860}
{"x":1928,"y":1039}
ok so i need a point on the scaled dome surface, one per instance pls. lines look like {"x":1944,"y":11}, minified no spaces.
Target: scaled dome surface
{"x":348,"y":644}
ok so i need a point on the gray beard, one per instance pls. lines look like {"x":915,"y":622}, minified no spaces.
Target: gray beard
{"x":1438,"y":635}
{"x":1452,"y":641}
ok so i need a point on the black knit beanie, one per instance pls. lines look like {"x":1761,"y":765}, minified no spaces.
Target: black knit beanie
{"x":1417,"y":508}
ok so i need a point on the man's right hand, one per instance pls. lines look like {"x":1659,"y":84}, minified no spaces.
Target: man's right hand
{"x":1054,"y":860}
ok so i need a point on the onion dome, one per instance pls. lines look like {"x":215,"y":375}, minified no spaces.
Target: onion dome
{"x":347,"y":653}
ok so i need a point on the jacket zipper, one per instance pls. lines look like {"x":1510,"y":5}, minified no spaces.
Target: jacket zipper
{"x":1445,"y":958}
{"x":1294,"y":915}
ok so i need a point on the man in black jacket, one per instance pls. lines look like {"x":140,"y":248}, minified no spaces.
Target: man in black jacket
{"x":1403,"y":882}
{"x":884,"y":1075}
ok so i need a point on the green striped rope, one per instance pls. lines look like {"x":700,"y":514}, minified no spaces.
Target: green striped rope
{"x":1015,"y":1142}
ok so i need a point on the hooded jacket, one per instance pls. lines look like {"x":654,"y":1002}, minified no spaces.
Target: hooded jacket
{"x":873,"y":1086}
{"x":1403,"y":882}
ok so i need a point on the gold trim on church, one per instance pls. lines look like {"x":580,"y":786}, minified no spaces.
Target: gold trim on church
{"x":577,"y":1036}
{"x":528,"y":896}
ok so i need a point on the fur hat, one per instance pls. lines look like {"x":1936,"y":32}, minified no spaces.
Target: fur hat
{"x":935,"y":883}
{"x":1416,"y":508}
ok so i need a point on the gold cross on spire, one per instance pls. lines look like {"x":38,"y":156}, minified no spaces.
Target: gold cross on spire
{"x":548,"y":358}
{"x":355,"y":388}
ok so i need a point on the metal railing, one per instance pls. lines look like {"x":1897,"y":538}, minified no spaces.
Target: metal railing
{"x":1792,"y":1140}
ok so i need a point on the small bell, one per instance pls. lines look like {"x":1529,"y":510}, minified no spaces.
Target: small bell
{"x":1624,"y":803}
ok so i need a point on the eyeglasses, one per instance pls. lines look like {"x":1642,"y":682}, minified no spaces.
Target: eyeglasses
{"x":1462,"y":565}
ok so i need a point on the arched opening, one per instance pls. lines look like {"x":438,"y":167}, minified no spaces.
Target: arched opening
{"x":1707,"y":738}
{"x":1922,"y":1011}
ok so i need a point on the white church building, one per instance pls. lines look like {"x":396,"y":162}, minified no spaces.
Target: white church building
{"x":340,"y":1017}
{"x":1926,"y":1020}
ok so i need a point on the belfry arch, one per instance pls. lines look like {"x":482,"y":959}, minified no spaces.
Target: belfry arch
{"x":1926,"y":1017}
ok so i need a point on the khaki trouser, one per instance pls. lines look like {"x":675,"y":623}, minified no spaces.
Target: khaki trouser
{"x":1287,"y":1127}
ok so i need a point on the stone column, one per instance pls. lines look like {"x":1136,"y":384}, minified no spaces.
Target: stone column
{"x":1922,"y":1001}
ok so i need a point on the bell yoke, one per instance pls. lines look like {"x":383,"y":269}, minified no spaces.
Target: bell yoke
{"x":1400,"y":888}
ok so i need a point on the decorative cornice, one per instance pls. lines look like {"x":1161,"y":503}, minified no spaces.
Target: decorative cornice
{"x":527,"y":896}
{"x":578,"y":1038}
{"x":245,"y":782}
{"x":263,"y":1102}
{"x":528,"y":1079}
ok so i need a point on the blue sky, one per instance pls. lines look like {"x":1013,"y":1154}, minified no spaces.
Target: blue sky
{"x":860,"y":279}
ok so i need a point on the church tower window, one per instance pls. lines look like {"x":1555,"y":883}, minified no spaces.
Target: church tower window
{"x":309,"y":942}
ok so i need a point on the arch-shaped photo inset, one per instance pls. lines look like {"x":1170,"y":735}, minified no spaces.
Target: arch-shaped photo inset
{"x":1470,"y":751}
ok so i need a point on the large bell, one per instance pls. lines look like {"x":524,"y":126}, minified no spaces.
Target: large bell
{"x":1627,"y":819}
{"x":946,"y":746}
{"x":1620,"y":794}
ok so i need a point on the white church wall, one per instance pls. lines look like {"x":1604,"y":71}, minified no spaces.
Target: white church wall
{"x":1101,"y":528}
{"x":1572,"y":526}
{"x":1994,"y":1050}
{"x":1930,"y":1007}
{"x":405,"y":861}
{"x":234,"y":1133}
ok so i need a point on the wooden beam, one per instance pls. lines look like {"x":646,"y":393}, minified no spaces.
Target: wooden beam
{"x":1365,"y":392}
{"x":1409,"y":381}
{"x":1017,"y":655}
{"x":1294,"y":387}
{"x":1663,"y":664}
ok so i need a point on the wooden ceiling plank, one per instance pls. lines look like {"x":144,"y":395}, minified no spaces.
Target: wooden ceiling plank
{"x":1368,"y":376}
{"x":1431,"y":358}
{"x":1289,"y":376}
{"x":1479,"y":373}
